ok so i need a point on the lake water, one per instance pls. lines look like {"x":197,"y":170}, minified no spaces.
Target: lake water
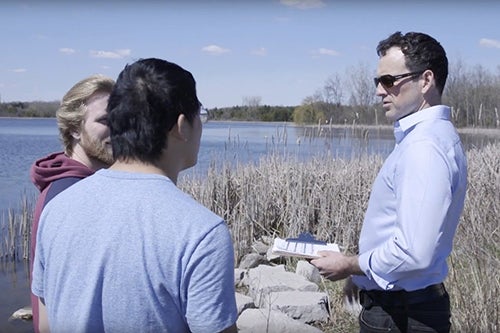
{"x":22,"y":141}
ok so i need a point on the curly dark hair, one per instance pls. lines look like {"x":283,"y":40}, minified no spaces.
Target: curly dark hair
{"x":421,"y":52}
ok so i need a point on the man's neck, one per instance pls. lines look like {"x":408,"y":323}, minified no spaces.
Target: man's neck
{"x":142,"y":167}
{"x":91,"y":163}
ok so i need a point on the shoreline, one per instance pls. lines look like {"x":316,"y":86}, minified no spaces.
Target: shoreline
{"x":466,"y":130}
{"x":493,"y":132}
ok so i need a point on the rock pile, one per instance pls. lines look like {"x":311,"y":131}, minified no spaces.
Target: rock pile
{"x":269,"y":298}
{"x":275,"y":300}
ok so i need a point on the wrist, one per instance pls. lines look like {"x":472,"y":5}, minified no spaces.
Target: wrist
{"x":354,"y":268}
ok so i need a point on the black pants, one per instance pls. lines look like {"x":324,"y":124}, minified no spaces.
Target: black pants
{"x":425,"y":310}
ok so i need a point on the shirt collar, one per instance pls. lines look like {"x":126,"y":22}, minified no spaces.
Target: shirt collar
{"x":402,"y":126}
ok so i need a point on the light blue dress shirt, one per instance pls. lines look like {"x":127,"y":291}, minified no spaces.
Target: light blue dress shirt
{"x":415,"y":205}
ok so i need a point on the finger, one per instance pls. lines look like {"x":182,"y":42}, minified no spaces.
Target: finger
{"x":325,"y":253}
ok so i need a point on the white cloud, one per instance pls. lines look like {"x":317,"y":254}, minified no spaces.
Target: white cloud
{"x":303,"y":4}
{"x":214,"y":49}
{"x":489,"y":43}
{"x":67,"y":50}
{"x":116,"y":54}
{"x":262,"y":51}
{"x":322,"y":51}
{"x":19,"y":70}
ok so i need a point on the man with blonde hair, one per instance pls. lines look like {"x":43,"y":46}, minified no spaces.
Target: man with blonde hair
{"x":140,"y":255}
{"x":83,"y":130}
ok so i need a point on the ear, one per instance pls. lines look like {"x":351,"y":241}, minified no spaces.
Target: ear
{"x":76,"y":135}
{"x":182,"y":129}
{"x":428,"y":81}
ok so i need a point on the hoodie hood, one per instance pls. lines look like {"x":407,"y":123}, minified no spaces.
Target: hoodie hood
{"x":56,"y":166}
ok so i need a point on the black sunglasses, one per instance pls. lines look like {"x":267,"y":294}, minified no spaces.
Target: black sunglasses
{"x":388,"y":80}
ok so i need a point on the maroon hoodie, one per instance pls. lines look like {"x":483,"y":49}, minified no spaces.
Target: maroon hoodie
{"x":51,"y":175}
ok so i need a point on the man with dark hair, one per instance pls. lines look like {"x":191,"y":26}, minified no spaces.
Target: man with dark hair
{"x":83,"y":130}
{"x":416,"y":199}
{"x":134,"y":253}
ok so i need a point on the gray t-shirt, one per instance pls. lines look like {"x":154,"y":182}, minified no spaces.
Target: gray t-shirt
{"x":130,"y":252}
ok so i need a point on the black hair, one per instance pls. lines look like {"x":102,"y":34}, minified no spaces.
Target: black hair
{"x":421,"y":52}
{"x":146,"y":101}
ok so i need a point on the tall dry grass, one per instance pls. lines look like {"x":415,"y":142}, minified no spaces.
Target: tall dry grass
{"x":15,"y":231}
{"x":280,"y":196}
{"x":328,"y":197}
{"x":474,"y":282}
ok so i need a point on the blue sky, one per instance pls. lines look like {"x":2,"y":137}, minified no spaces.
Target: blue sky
{"x":279,"y":51}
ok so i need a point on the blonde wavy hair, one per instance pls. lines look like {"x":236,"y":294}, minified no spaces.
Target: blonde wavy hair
{"x":71,"y":112}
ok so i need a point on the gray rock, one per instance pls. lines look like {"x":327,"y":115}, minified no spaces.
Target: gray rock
{"x":243,"y":302}
{"x":307,"y":307}
{"x":271,"y":256}
{"x":260,"y":247}
{"x":271,"y":321}
{"x":24,"y":313}
{"x":239,"y":275}
{"x":310,"y":272}
{"x":252,"y":260}
{"x":263,"y":280}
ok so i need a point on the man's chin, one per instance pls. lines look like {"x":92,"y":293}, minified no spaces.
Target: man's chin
{"x":189,"y":165}
{"x":109,"y":161}
{"x":389,"y":115}
{"x":106,"y":159}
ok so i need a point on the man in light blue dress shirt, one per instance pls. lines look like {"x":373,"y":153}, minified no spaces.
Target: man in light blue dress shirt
{"x":416,"y":199}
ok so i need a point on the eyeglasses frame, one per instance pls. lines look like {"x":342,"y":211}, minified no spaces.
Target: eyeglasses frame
{"x":394,"y":78}
{"x":203,"y":112}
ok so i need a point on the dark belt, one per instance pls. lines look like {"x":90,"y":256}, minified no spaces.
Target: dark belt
{"x":400,"y":297}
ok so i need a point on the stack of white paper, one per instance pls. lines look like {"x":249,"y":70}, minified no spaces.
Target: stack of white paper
{"x":301,"y":249}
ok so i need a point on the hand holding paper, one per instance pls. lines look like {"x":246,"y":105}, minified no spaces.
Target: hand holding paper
{"x":305,"y":246}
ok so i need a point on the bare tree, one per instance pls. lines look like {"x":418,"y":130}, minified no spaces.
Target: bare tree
{"x":360,"y":80}
{"x":455,"y":91}
{"x":362,"y":94}
{"x":252,"y":101}
{"x":473,"y":94}
{"x":333,"y":90}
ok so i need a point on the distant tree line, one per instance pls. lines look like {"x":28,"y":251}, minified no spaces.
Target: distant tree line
{"x":253,"y":113}
{"x":29,"y":109}
{"x":472,"y":92}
